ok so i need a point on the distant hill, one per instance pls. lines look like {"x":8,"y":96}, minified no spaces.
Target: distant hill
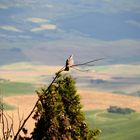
{"x":11,"y":55}
{"x":115,"y":126}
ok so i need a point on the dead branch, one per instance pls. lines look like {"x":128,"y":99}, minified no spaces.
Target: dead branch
{"x":10,"y":128}
{"x":57,"y":74}
{"x":7,"y":126}
{"x":20,"y":119}
{"x":87,"y":63}
{"x":3,"y":123}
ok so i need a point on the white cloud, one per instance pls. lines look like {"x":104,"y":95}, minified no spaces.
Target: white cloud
{"x":37,"y":20}
{"x":133,"y":22}
{"x":10,"y":28}
{"x":44,"y":27}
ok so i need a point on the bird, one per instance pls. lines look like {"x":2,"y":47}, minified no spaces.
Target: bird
{"x":69,"y":62}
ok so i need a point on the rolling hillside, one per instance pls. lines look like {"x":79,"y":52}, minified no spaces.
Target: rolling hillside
{"x":115,"y":126}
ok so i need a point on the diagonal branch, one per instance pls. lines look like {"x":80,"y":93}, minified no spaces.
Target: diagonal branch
{"x":86,"y":63}
{"x":11,"y":126}
{"x":3,"y":123}
{"x":57,"y":74}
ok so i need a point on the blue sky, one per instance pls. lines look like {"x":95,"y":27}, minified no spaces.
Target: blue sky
{"x":86,"y":28}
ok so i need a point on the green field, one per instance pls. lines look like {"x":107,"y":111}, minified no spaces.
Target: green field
{"x":115,"y":126}
{"x":8,"y":88}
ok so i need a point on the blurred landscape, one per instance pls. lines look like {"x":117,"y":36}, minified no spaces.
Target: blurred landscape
{"x":36,"y":38}
{"x":99,"y":88}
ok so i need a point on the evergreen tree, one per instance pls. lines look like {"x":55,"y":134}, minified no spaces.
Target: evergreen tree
{"x":50,"y":116}
{"x":72,"y":106}
{"x":58,"y":115}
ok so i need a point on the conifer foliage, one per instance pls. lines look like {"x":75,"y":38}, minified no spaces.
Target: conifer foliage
{"x":58,"y":114}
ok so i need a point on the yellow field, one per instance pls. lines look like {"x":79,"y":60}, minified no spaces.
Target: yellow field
{"x":90,"y":99}
{"x":101,"y":100}
{"x":26,"y":72}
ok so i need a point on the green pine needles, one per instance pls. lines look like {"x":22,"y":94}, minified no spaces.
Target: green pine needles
{"x":58,"y":114}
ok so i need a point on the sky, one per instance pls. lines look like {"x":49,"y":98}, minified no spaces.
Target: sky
{"x":48,"y":31}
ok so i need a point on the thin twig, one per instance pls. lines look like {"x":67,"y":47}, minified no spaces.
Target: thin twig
{"x":20,"y":119}
{"x":3,"y":123}
{"x":15,"y":137}
{"x":7,"y":126}
{"x":11,"y":126}
{"x":86,"y":63}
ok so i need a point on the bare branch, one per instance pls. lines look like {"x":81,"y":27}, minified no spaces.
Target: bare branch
{"x":20,"y":119}
{"x":7,"y":126}
{"x":57,"y":74}
{"x":3,"y":123}
{"x":86,"y":63}
{"x":11,"y":130}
